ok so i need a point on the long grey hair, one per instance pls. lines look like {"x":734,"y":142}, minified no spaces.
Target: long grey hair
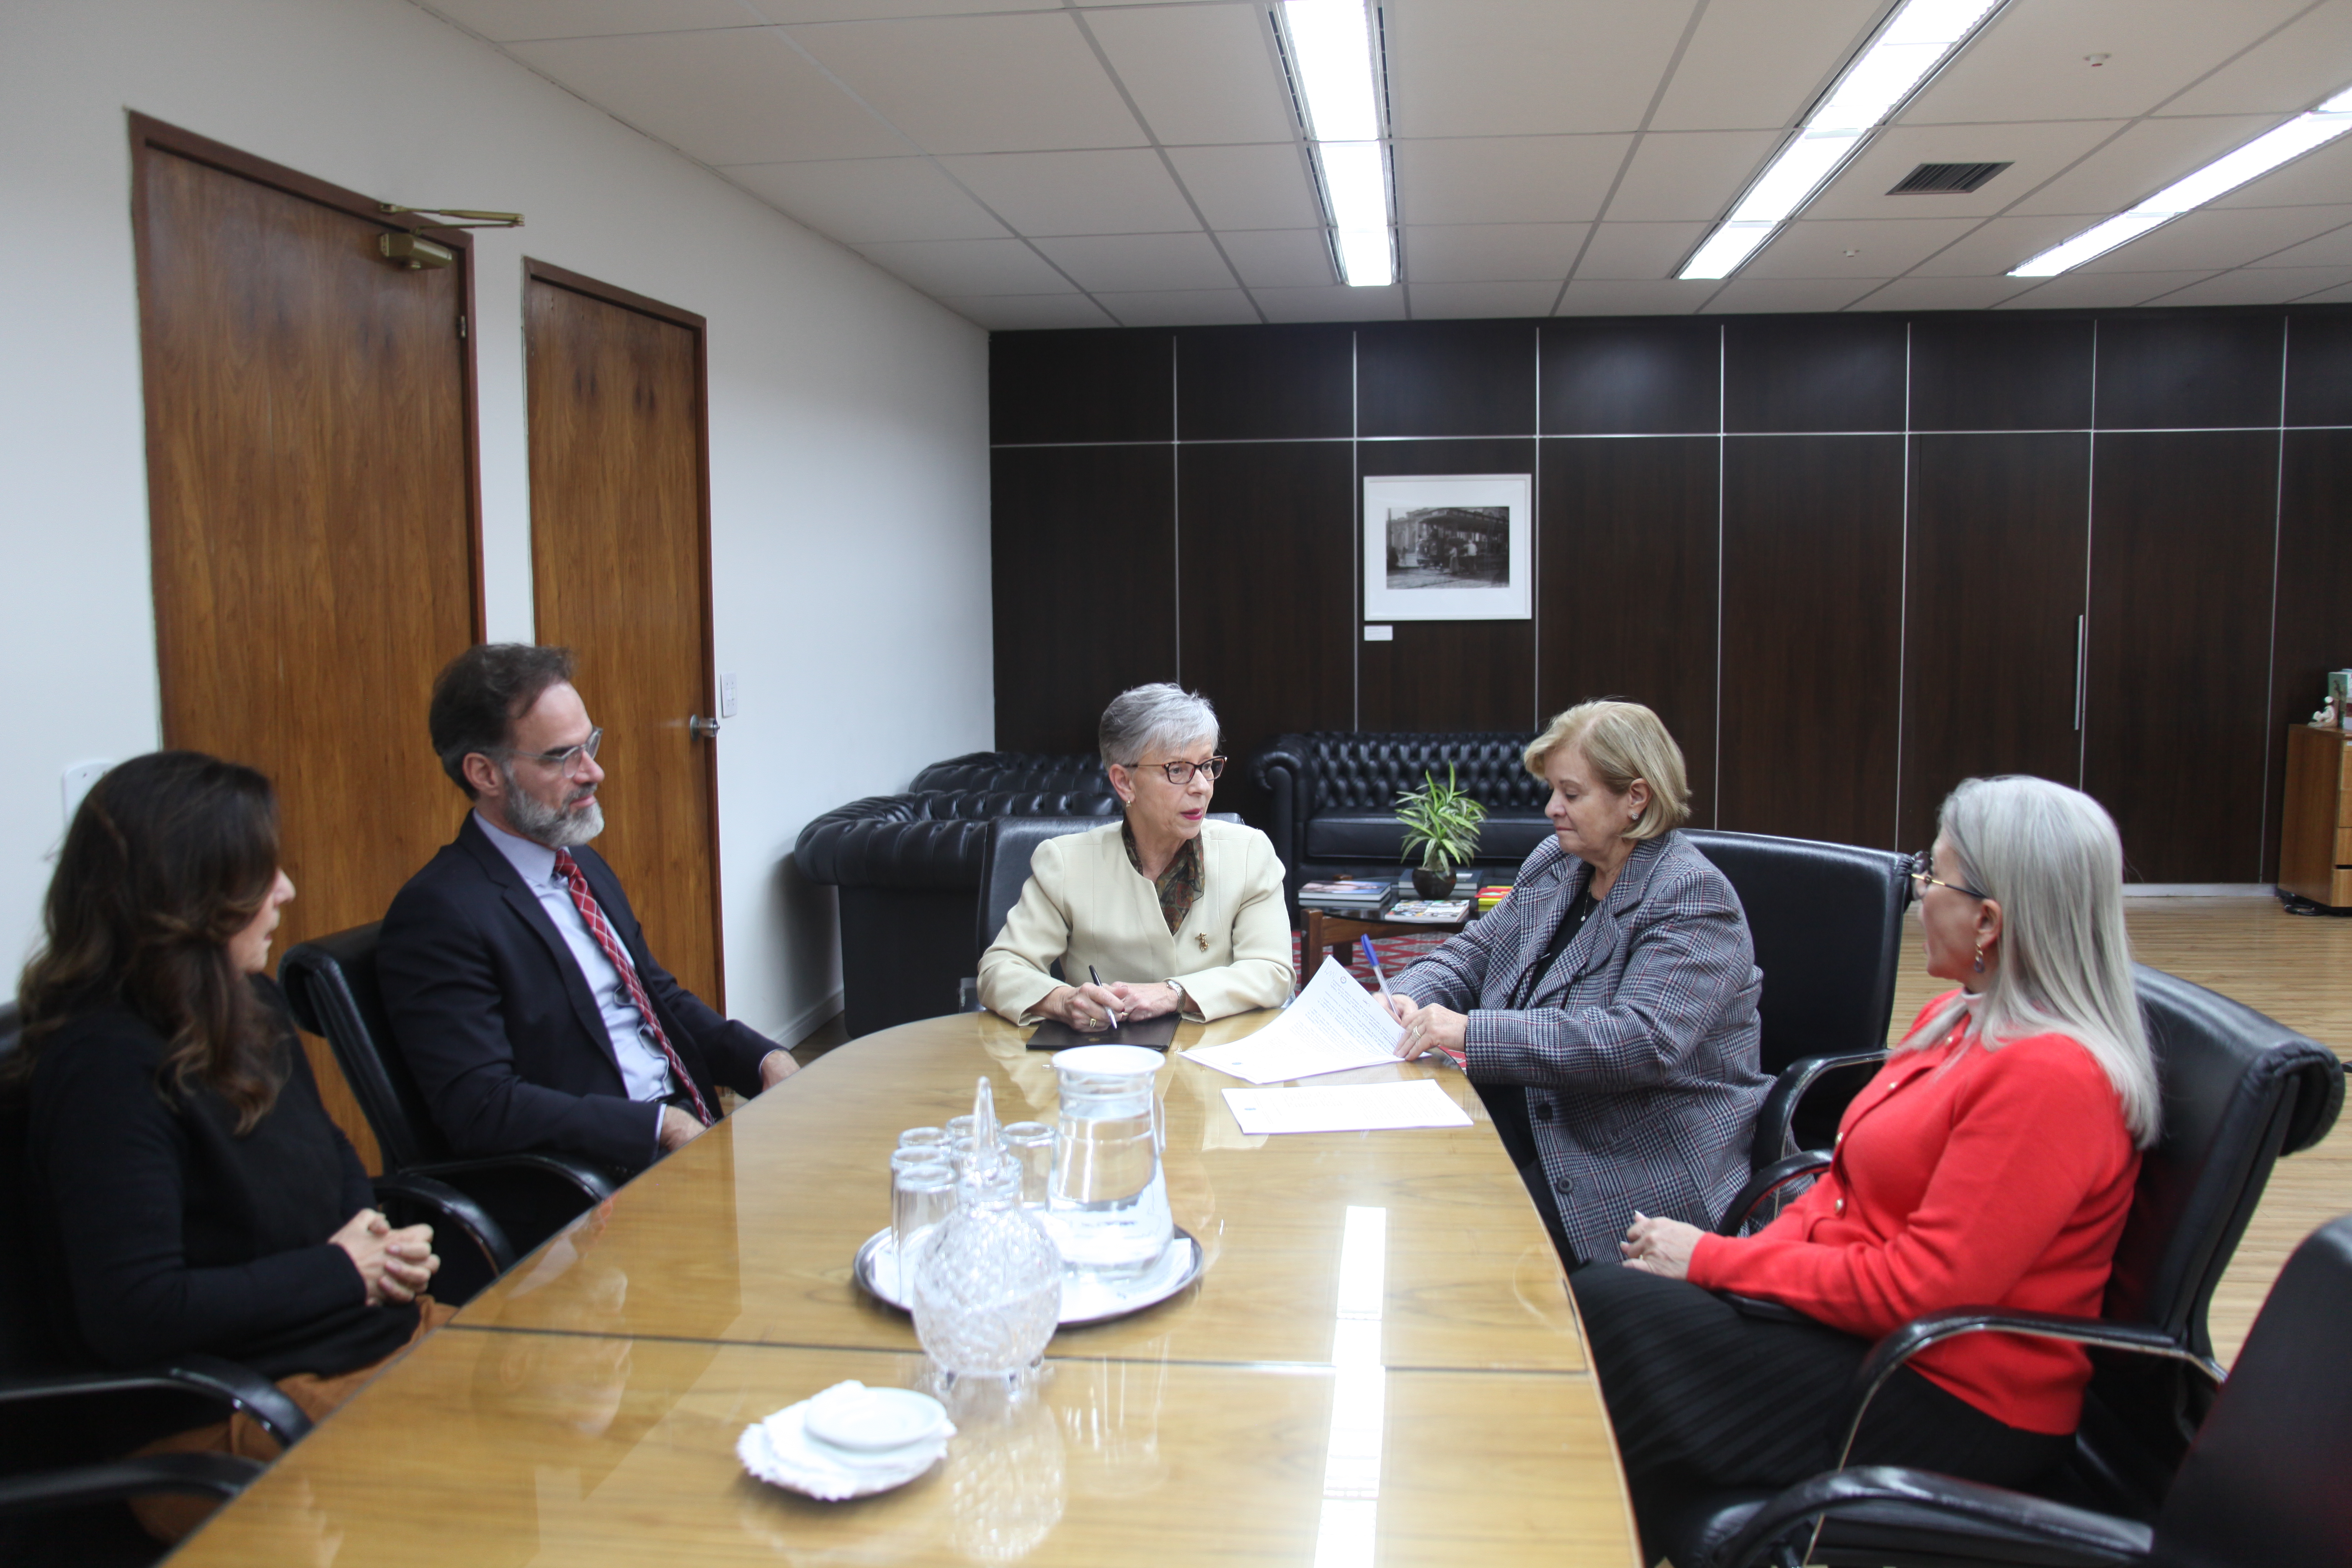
{"x":2052,"y":858}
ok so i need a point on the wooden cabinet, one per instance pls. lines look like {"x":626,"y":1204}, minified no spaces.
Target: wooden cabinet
{"x":2316,"y":830}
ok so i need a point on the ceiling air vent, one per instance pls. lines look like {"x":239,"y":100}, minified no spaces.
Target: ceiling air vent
{"x":1945,"y":179}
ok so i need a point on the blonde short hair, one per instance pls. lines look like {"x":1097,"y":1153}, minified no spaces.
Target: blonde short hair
{"x":1622,"y":741}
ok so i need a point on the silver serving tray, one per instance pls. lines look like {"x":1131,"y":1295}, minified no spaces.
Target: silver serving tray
{"x":1087,"y":1300}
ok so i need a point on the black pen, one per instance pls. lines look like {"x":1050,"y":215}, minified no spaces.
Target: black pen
{"x":1100,"y":986}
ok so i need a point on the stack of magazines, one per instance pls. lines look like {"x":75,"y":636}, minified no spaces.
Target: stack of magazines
{"x":1359,"y":897}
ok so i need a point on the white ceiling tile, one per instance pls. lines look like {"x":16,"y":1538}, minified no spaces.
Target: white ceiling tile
{"x":2331,"y":297}
{"x":1199,"y":73}
{"x":878,"y":10}
{"x":2211,"y":238}
{"x":742,"y":96}
{"x":1279,"y":258}
{"x":1742,"y":295}
{"x":2028,"y":62}
{"x":1140,"y":261}
{"x":1689,"y":173}
{"x":1263,"y":186}
{"x":980,"y":84}
{"x":1180,"y":308}
{"x":2080,"y":291}
{"x":1638,"y":251}
{"x":1884,"y":248}
{"x":1526,"y":67}
{"x":1942,"y":294}
{"x":956,"y":267}
{"x":1756,"y":64}
{"x":2314,"y":179}
{"x":2260,"y":286}
{"x":1433,"y":301}
{"x":2333,"y":248}
{"x":1490,"y":252}
{"x":2001,"y":243}
{"x":1517,"y":179}
{"x":1334,"y":303}
{"x":1124,"y":192}
{"x":1028,"y":313}
{"x":2036,"y":150}
{"x":2307,"y":61}
{"x":506,"y":21}
{"x":862,"y":199}
{"x":1613,"y":297}
{"x":2147,"y":157}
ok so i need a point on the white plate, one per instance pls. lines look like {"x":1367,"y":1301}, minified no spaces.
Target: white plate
{"x":872,"y":1420}
{"x":780,"y":1451}
{"x":1085,"y":1299}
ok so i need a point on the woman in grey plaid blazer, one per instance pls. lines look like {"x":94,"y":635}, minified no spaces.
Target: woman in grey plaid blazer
{"x":1616,"y":986}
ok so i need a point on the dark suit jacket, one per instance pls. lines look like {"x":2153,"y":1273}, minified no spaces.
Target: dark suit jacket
{"x":501,"y":1030}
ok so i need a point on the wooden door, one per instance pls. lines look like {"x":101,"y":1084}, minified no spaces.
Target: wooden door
{"x":312,"y":509}
{"x":619,"y":552}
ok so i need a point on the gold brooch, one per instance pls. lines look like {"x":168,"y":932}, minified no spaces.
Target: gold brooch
{"x":1202,"y":938}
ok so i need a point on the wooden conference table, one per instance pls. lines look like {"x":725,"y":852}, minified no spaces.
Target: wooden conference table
{"x":586,"y":1408}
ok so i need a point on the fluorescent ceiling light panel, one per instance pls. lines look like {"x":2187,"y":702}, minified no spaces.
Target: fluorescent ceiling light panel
{"x":1921,"y":37}
{"x":2218,"y":178}
{"x":1331,"y":50}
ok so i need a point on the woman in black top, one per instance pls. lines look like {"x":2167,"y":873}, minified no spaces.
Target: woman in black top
{"x":187,"y":1190}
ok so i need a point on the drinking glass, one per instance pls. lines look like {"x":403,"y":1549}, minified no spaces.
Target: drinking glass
{"x":1031,"y":1144}
{"x":923,"y":1191}
{"x":959,"y":1127}
{"x":922,"y":1138}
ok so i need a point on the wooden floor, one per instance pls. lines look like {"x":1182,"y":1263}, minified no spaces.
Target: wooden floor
{"x":2298,"y":969}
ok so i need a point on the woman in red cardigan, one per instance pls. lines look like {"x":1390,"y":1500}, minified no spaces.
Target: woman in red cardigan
{"x":1991,"y":1162}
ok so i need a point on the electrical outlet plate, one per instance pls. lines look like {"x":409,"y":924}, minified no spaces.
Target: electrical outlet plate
{"x":75,"y":783}
{"x":727,"y":694}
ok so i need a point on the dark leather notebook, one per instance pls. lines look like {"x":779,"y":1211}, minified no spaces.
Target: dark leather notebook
{"x":1159,"y":1032}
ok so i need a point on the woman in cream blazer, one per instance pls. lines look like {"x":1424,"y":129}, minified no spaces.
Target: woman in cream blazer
{"x":1177,"y":913}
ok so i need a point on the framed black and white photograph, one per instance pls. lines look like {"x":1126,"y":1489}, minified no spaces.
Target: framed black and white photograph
{"x":1448,"y":547}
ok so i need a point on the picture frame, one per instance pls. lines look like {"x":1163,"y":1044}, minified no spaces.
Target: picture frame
{"x":1449,"y":547}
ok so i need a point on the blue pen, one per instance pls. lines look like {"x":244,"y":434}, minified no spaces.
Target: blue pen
{"x":1374,"y":960}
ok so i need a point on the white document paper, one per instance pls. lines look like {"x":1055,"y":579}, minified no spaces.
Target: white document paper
{"x":1346,"y":1108}
{"x":1334,"y":1024}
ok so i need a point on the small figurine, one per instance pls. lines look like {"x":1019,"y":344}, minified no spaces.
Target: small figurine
{"x":2326,"y":718}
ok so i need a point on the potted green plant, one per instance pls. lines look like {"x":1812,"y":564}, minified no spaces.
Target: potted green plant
{"x":1442,"y":822}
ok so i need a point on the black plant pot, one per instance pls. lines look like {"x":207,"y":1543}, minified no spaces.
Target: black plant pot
{"x":1432,"y":884}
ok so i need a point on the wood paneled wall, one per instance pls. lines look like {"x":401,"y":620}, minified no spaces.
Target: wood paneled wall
{"x":1850,"y":559}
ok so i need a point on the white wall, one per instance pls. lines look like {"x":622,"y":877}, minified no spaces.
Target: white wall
{"x":848,"y":441}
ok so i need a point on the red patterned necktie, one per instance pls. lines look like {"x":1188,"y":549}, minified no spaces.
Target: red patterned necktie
{"x":569,"y":869}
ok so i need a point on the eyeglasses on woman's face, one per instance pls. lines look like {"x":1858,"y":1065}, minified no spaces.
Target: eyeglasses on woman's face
{"x":1180,"y":774}
{"x":1923,"y":877}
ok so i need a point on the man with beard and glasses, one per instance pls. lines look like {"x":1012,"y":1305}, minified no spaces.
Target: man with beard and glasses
{"x":520,"y":989}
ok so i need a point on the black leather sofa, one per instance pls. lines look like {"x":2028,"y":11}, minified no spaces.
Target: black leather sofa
{"x":907,"y":867}
{"x":1333,"y":797}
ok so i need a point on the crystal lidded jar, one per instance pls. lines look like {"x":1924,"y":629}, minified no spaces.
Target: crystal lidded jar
{"x":988,"y":1284}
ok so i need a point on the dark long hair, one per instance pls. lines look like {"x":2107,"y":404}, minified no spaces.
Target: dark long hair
{"x":169,"y":856}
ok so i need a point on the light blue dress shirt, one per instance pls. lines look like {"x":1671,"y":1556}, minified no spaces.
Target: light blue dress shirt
{"x":644,"y":1071}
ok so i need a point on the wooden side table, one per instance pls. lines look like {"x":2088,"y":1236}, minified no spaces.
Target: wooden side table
{"x":1326,"y":933}
{"x":2315,"y":829}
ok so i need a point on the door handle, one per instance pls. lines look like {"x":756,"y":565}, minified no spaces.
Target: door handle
{"x":702,"y":729}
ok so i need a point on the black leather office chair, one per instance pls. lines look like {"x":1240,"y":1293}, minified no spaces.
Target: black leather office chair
{"x":2257,"y":1489}
{"x":2240,"y":1089}
{"x":1004,"y":863}
{"x":61,"y":1434}
{"x":1827,"y":921}
{"x":332,"y":982}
